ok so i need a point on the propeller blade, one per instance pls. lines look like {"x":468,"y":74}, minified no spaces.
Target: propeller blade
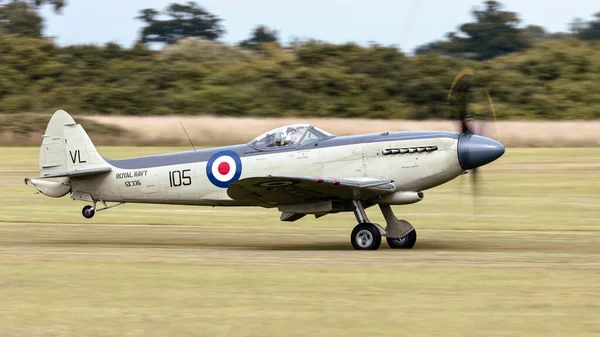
{"x":475,"y":188}
{"x":487,"y":93}
{"x":466,"y":71}
{"x":467,"y":125}
{"x":464,"y":118}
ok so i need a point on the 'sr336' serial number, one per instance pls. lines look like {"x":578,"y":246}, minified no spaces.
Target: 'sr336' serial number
{"x":133,"y":183}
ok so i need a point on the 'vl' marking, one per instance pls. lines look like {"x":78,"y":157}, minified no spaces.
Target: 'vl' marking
{"x":76,"y":157}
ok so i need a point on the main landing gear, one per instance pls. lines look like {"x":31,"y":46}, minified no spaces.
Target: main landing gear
{"x":89,"y":211}
{"x":400,"y":234}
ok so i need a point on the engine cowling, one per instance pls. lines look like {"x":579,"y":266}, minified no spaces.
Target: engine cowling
{"x":53,"y":188}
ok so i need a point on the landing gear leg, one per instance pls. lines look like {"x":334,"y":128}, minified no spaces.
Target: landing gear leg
{"x":365,"y":236}
{"x":400,"y":234}
{"x":89,"y":211}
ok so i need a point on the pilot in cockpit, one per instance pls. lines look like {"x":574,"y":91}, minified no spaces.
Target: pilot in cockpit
{"x":278,"y":139}
{"x":292,"y":136}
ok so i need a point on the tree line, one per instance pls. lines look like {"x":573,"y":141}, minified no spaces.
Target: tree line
{"x":547,"y":76}
{"x":496,"y":32}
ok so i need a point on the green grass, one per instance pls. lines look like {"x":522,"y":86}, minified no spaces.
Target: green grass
{"x":527,"y":264}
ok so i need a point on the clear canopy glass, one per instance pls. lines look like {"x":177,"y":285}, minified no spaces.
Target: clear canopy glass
{"x":288,"y":136}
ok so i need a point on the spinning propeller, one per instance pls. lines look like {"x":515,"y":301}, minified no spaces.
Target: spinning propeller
{"x":468,"y":125}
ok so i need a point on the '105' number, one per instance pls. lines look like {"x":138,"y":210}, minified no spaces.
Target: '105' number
{"x":178,"y":178}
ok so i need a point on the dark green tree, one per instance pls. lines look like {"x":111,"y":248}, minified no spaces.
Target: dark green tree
{"x":494,"y":33}
{"x":428,"y":48}
{"x":20,"y":18}
{"x":577,"y":25}
{"x":184,"y":20}
{"x":591,"y":31}
{"x":260,"y":34}
{"x":57,"y":4}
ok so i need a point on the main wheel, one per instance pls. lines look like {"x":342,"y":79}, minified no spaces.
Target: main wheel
{"x":405,"y":242}
{"x":88,"y":212}
{"x":365,"y":236}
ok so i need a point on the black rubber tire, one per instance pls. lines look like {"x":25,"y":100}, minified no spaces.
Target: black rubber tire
{"x":88,"y":212}
{"x":369,"y":241}
{"x":405,"y":242}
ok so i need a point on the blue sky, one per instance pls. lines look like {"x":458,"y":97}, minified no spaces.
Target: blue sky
{"x":405,"y":23}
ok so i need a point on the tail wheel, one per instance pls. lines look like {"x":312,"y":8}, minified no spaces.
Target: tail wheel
{"x":88,"y":212}
{"x":405,"y":242}
{"x":365,"y":236}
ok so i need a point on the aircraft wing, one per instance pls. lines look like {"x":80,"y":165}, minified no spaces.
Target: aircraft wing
{"x":271,"y":191}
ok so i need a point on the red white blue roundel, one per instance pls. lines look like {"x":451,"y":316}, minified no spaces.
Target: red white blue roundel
{"x":224,"y":168}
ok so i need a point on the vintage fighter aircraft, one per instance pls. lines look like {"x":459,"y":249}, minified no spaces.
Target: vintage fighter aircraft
{"x":300,"y":169}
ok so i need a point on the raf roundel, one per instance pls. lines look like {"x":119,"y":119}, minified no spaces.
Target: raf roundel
{"x":224,"y":168}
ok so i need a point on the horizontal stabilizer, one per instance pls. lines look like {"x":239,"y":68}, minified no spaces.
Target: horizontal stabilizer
{"x":50,"y":166}
{"x":78,"y":173}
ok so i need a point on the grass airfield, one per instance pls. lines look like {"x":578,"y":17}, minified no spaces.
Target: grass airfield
{"x":522,"y":261}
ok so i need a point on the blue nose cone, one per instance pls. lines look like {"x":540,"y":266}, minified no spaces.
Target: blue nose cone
{"x":475,"y":151}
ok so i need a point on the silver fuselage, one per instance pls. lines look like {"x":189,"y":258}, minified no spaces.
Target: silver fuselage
{"x":151,"y":179}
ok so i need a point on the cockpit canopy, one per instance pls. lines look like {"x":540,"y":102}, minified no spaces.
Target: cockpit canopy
{"x":289,"y":136}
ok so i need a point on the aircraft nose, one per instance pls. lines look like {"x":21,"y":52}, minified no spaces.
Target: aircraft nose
{"x":475,"y":151}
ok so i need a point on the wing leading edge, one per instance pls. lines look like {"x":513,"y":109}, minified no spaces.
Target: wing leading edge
{"x":272,"y":191}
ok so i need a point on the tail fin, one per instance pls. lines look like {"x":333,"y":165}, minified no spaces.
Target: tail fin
{"x":67,"y":149}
